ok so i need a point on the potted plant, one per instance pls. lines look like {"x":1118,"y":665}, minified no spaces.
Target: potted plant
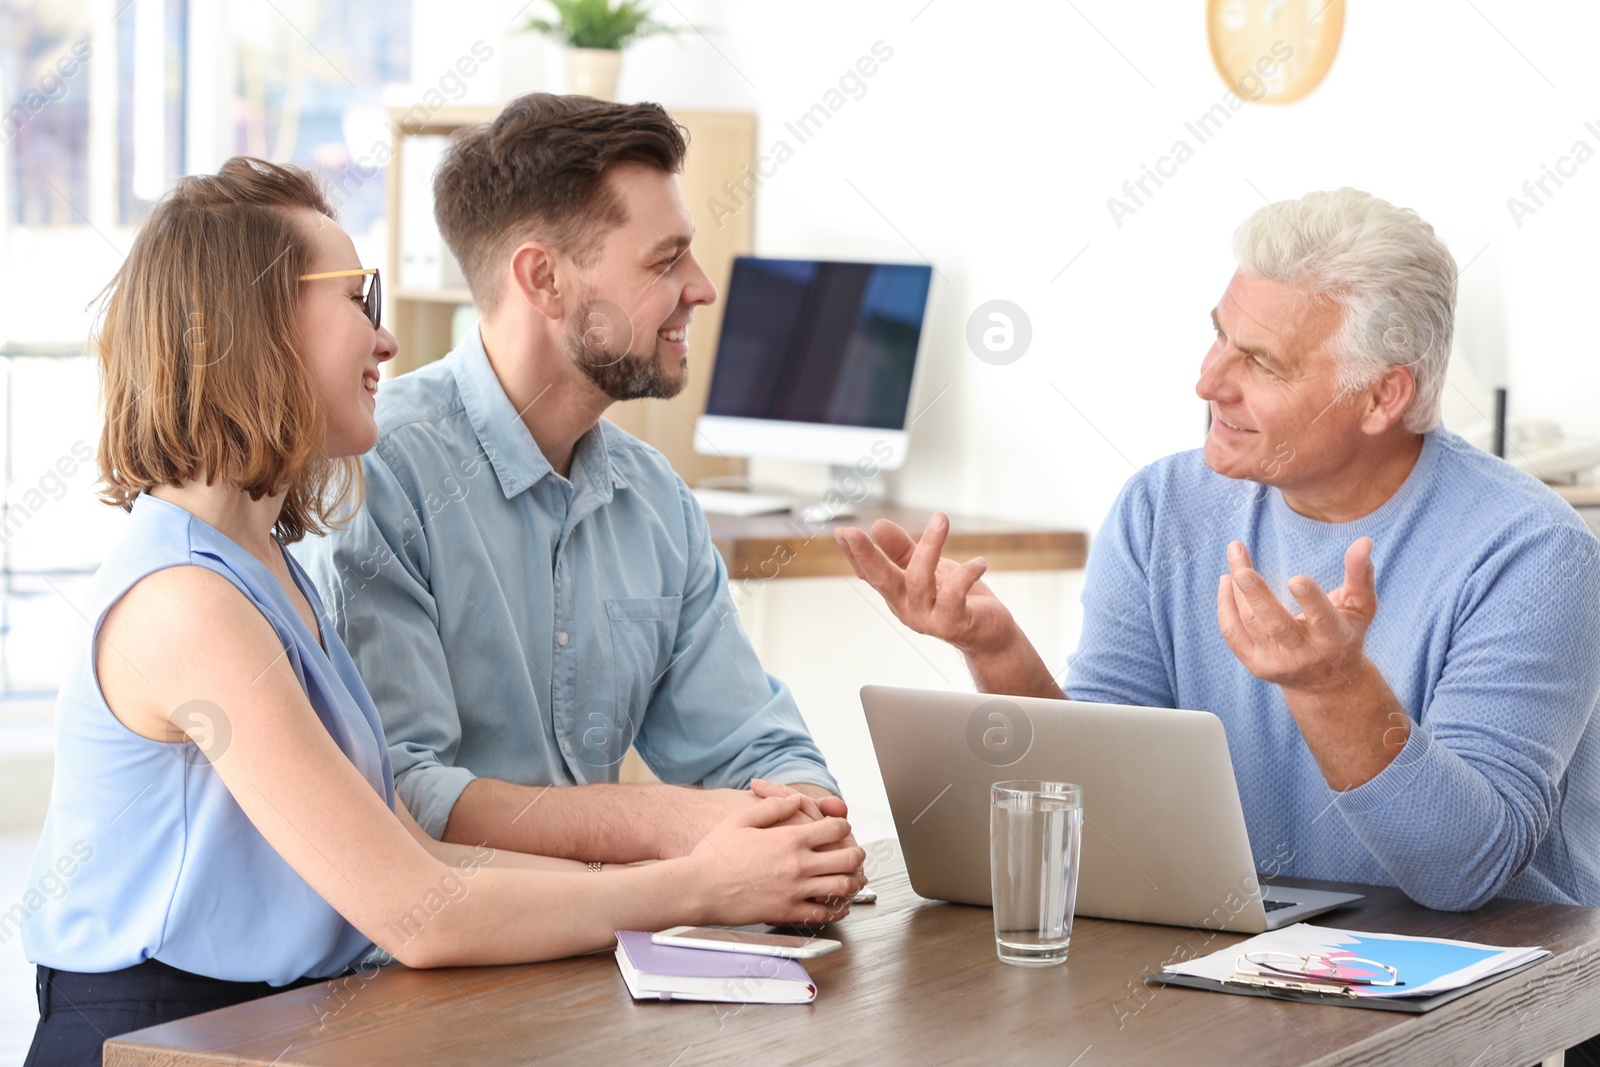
{"x":595,"y":33}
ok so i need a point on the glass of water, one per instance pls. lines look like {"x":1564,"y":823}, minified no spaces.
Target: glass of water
{"x":1035,"y":831}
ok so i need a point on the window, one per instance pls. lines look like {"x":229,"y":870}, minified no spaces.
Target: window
{"x":307,"y":82}
{"x":109,"y":101}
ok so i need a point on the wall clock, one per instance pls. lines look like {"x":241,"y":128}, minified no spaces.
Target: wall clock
{"x":1273,"y":51}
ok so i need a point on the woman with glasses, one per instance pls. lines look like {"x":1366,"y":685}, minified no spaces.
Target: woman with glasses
{"x":223,"y":822}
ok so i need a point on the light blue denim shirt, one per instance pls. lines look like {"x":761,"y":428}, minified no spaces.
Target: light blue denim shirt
{"x":514,"y":624}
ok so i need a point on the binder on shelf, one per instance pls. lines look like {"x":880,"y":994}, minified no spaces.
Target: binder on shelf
{"x":421,"y":246}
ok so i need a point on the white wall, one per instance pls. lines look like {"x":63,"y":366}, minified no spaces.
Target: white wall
{"x":992,"y":139}
{"x":990,"y":142}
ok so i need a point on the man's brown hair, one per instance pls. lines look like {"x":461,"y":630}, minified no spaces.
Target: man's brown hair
{"x":539,"y":170}
{"x":201,"y":375}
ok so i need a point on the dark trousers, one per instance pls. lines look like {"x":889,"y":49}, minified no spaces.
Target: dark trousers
{"x":79,"y":1012}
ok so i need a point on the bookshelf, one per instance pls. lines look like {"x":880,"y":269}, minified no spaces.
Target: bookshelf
{"x":721,"y":149}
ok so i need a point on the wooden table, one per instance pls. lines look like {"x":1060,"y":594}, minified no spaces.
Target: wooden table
{"x":918,"y":983}
{"x":763,"y":547}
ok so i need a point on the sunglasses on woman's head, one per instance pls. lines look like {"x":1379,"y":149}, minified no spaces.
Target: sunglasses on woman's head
{"x":373,"y":303}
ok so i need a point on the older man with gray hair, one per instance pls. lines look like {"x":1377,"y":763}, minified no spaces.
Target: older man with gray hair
{"x":1427,"y":723}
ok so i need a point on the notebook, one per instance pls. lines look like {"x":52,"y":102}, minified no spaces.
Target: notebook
{"x":666,"y":972}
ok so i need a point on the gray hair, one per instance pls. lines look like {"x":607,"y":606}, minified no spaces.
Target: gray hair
{"x":1394,"y":278}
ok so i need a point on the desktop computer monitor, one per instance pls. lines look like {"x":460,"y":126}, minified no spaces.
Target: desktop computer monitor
{"x":816,"y":361}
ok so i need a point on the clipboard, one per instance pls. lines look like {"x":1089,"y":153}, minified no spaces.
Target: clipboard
{"x":1410,"y":1005}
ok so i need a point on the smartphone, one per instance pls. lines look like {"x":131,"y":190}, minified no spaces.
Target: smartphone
{"x":800,"y":948}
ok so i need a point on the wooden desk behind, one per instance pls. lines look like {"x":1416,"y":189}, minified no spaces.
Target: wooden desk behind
{"x":1579,"y":496}
{"x":918,"y":983}
{"x":763,"y":547}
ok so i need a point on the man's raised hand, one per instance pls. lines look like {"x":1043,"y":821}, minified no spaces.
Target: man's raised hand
{"x":932,"y":595}
{"x":1318,"y":650}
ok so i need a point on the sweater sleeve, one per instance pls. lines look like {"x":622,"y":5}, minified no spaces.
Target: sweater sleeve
{"x":1463,"y":807}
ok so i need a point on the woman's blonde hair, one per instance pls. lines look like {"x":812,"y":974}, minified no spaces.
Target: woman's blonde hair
{"x":199,"y":355}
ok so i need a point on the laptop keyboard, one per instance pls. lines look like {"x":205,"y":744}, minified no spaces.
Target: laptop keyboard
{"x":1275,"y":905}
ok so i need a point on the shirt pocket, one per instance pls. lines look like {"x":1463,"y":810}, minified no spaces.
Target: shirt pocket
{"x":643,"y":632}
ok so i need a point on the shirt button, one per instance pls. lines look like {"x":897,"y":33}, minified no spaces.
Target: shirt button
{"x":566,"y":747}
{"x":561,"y":639}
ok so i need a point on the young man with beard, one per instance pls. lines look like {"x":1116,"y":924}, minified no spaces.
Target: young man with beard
{"x":528,"y":590}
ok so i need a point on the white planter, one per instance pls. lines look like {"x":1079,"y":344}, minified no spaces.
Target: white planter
{"x":593,"y":72}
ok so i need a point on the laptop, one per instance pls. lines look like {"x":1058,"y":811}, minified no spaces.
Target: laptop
{"x":1164,"y":839}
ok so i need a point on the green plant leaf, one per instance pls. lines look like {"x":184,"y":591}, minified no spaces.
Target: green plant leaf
{"x":608,"y":24}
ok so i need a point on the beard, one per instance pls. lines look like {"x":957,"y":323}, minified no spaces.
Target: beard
{"x":599,"y":342}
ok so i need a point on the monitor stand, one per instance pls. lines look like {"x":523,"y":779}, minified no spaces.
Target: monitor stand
{"x":849,"y":488}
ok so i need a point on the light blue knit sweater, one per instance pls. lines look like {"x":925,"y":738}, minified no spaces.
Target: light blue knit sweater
{"x":1487,"y":630}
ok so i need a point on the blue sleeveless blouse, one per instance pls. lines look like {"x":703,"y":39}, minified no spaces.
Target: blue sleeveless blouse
{"x":145,"y":854}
